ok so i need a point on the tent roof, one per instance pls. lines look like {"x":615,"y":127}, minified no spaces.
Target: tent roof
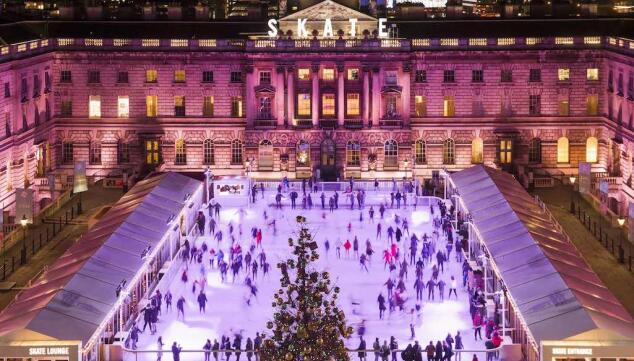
{"x":71,"y":299}
{"x":558,"y":294}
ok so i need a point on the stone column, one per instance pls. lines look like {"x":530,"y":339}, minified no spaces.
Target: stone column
{"x":250,"y":101}
{"x":405,"y":95}
{"x":315,"y":95}
{"x":280,"y":86}
{"x":365,"y":102}
{"x":290,"y":96}
{"x":376,"y":96}
{"x":341,"y":95}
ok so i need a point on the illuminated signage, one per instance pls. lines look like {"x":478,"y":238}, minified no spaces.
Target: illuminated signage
{"x":572,"y":351}
{"x":327,"y":30}
{"x":49,"y":351}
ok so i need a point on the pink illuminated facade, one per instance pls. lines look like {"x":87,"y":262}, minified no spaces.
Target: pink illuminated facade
{"x":339,"y":107}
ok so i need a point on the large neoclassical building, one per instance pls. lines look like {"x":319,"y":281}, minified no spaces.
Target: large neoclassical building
{"x":327,"y":92}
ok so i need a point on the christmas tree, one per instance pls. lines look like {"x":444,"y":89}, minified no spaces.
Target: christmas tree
{"x":307,"y":324}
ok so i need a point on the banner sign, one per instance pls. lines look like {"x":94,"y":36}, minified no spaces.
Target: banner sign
{"x":585,"y":177}
{"x":80,"y":183}
{"x":23,"y":204}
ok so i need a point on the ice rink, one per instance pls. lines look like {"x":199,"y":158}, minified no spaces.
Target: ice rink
{"x":227,"y":312}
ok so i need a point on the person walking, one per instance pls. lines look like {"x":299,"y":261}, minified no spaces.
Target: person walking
{"x":381,"y":301}
{"x":159,"y":347}
{"x":180,"y":307}
{"x":453,"y":284}
{"x":202,"y":301}
{"x":477,"y":326}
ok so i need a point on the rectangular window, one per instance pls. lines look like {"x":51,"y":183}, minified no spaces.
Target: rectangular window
{"x":151,"y":76}
{"x":563,"y":74}
{"x":179,"y":76}
{"x":420,"y":76}
{"x":592,"y":74}
{"x":208,"y":76}
{"x":36,"y":86}
{"x":123,"y":106}
{"x":391,"y":77}
{"x":24,"y":89}
{"x":328,"y":74}
{"x":420,"y":105}
{"x":47,"y":82}
{"x":151,"y":105}
{"x":506,"y":151}
{"x":352,"y":104}
{"x":122,"y":77}
{"x":303,"y":74}
{"x":95,"y":153}
{"x":448,"y":76}
{"x":208,"y":106}
{"x":535,"y":75}
{"x":564,"y":108}
{"x":353,"y":74}
{"x":152,"y":153}
{"x":7,"y":90}
{"x":179,"y":106}
{"x":67,"y":153}
{"x":534,"y":104}
{"x":448,"y":106}
{"x":94,"y":76}
{"x":328,"y":105}
{"x":65,"y":76}
{"x":123,"y":152}
{"x":94,"y":106}
{"x":592,"y":104}
{"x":236,"y":107}
{"x":265,"y":77}
{"x":236,"y":77}
{"x":506,"y":76}
{"x":303,"y":104}
{"x":67,"y":108}
{"x":477,"y":76}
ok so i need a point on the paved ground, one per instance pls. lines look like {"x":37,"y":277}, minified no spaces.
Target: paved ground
{"x":615,"y":276}
{"x":92,"y":202}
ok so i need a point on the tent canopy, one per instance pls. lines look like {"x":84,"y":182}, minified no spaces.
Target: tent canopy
{"x":72,"y":298}
{"x":558,"y":294}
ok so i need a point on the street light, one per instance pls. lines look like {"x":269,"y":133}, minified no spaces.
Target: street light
{"x":23,"y":222}
{"x":621,"y":221}
{"x":572,"y":193}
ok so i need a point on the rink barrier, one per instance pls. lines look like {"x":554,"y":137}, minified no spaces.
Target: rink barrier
{"x":384,"y":185}
{"x":190,"y":355}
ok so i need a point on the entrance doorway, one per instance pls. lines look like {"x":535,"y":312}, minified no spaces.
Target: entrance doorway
{"x":328,"y":160}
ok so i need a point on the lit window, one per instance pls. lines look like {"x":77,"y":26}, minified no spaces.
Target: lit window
{"x":179,"y":106}
{"x":303,"y":74}
{"x":328,"y":74}
{"x":564,"y":108}
{"x":506,"y":151}
{"x":208,"y":106}
{"x":592,"y":150}
{"x":123,"y":106}
{"x":181,"y":153}
{"x":563,"y":74}
{"x":448,"y":155}
{"x":390,"y":153}
{"x":152,"y":151}
{"x":179,"y":76}
{"x":151,"y":76}
{"x":592,"y":104}
{"x":420,"y":152}
{"x":477,"y":147}
{"x":151,"y":105}
{"x":592,"y":74}
{"x":302,"y":155}
{"x":352,"y":104}
{"x":353,"y":74}
{"x":420,"y":105}
{"x":562,"y":150}
{"x":448,"y":106}
{"x":95,"y":152}
{"x":303,"y":104}
{"x":94,"y":106}
{"x":236,"y":107}
{"x":328,"y":105}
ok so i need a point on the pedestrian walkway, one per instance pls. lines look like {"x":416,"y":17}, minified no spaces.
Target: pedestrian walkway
{"x":616,"y":277}
{"x":93,"y":201}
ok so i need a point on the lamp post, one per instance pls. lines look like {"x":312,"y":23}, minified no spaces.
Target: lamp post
{"x":621,"y":221}
{"x":23,"y":222}
{"x":572,"y":193}
{"x":248,"y":168}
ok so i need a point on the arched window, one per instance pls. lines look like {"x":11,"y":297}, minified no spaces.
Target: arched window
{"x":208,"y":151}
{"x":95,"y":152}
{"x":563,"y":154}
{"x":353,"y":153}
{"x":181,"y":152}
{"x":420,"y":152}
{"x":592,"y":150}
{"x":265,"y":155}
{"x":535,"y":150}
{"x":390,"y":151}
{"x":303,"y":153}
{"x":477,"y":149}
{"x":448,"y":151}
{"x":236,"y":151}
